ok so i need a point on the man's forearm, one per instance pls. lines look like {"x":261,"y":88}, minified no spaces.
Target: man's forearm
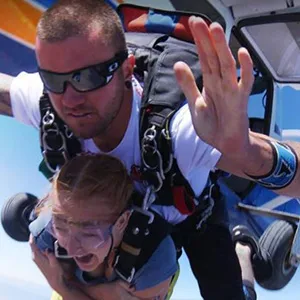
{"x":5,"y":103}
{"x":108,"y":291}
{"x":259,"y":158}
{"x":259,"y":161}
{"x":71,"y":293}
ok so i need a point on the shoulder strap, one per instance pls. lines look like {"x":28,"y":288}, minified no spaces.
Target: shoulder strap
{"x":145,"y":231}
{"x":162,"y":98}
{"x":58,"y":144}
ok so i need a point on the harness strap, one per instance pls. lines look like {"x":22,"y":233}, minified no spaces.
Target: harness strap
{"x":142,"y":236}
{"x":58,"y":144}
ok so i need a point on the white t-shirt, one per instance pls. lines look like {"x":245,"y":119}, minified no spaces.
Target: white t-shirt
{"x":195,"y":158}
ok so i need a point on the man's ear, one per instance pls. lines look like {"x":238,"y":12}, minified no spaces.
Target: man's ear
{"x":128,"y":67}
{"x":122,"y":222}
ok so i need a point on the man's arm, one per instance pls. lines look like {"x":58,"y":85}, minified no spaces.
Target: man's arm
{"x":260,"y":160}
{"x":220,"y":113}
{"x":109,"y":291}
{"x":5,"y":104}
{"x":120,"y":290}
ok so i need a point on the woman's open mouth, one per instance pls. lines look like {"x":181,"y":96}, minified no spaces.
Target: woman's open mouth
{"x":84,"y":259}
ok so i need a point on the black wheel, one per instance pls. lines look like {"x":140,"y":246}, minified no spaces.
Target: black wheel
{"x":15,"y":215}
{"x":277,"y":240}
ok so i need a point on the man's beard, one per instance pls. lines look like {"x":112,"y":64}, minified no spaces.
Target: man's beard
{"x":101,"y":126}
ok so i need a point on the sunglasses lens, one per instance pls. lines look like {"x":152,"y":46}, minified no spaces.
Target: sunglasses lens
{"x":85,"y":79}
{"x":53,"y":82}
{"x":89,"y":79}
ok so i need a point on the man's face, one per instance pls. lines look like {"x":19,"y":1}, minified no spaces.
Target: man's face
{"x":88,"y":114}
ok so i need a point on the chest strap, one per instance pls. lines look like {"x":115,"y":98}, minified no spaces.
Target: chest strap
{"x":145,"y":231}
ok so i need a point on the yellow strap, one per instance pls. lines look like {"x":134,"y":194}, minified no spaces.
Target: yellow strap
{"x":173,"y":282}
{"x":56,"y":296}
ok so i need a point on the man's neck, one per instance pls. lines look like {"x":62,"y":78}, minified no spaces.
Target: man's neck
{"x":116,"y":131}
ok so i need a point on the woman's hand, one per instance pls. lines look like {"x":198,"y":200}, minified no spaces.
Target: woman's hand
{"x":49,"y":266}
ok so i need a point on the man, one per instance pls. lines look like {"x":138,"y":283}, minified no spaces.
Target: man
{"x":73,"y":35}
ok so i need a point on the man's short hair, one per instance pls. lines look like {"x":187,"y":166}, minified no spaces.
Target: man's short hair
{"x":69,"y":18}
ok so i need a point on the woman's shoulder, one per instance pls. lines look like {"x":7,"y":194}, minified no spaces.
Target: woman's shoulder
{"x":160,"y":266}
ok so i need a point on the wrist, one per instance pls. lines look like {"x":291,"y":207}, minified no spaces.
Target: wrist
{"x":284,"y":167}
{"x":258,"y":157}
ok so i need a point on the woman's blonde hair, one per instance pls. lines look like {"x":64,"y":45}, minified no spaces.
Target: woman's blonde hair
{"x":98,"y":179}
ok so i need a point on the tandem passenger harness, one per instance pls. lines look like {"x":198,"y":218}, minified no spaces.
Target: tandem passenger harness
{"x":155,"y":55}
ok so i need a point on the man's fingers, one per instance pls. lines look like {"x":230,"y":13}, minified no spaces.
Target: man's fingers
{"x":226,"y":59}
{"x":247,"y":77}
{"x":206,"y":49}
{"x":187,"y":82}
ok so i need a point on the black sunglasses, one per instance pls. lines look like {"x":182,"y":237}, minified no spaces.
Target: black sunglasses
{"x":85,"y":79}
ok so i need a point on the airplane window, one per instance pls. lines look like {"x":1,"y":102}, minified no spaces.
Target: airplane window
{"x":257,"y":101}
{"x":279,"y":46}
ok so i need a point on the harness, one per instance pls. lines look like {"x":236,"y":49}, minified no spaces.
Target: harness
{"x":155,"y":55}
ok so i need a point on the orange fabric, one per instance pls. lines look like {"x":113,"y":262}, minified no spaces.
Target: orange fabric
{"x":19,"y":19}
{"x":134,"y":19}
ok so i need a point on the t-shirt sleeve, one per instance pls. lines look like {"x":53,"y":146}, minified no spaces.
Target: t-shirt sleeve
{"x":25,"y":92}
{"x":195,"y":158}
{"x":160,"y":266}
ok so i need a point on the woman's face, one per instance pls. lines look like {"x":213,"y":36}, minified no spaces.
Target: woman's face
{"x":84,"y":231}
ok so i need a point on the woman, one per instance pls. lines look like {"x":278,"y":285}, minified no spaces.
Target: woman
{"x":90,"y":206}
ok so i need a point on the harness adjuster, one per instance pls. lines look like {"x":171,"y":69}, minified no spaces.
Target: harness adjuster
{"x":206,"y":213}
{"x":119,"y":273}
{"x":144,"y":212}
{"x":63,"y":155}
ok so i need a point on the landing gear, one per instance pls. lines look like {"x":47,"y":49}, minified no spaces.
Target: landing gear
{"x":15,"y":215}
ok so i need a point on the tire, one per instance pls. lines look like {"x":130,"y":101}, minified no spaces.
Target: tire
{"x":15,"y":215}
{"x":277,"y":240}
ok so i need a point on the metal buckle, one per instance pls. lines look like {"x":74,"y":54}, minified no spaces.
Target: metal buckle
{"x":46,"y":146}
{"x":48,"y":119}
{"x":64,"y":155}
{"x":149,"y":198}
{"x":149,"y":144}
{"x":167,"y":136}
{"x":144,"y":212}
{"x":50,"y":127}
{"x":206,"y":213}
{"x":69,"y":134}
{"x":128,"y":279}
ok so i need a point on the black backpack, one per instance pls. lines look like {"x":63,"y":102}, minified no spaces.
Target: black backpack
{"x":155,"y":54}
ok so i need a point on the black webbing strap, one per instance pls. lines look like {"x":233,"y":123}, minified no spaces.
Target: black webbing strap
{"x":204,"y":209}
{"x":139,"y":242}
{"x":161,"y":99}
{"x":58,"y":144}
